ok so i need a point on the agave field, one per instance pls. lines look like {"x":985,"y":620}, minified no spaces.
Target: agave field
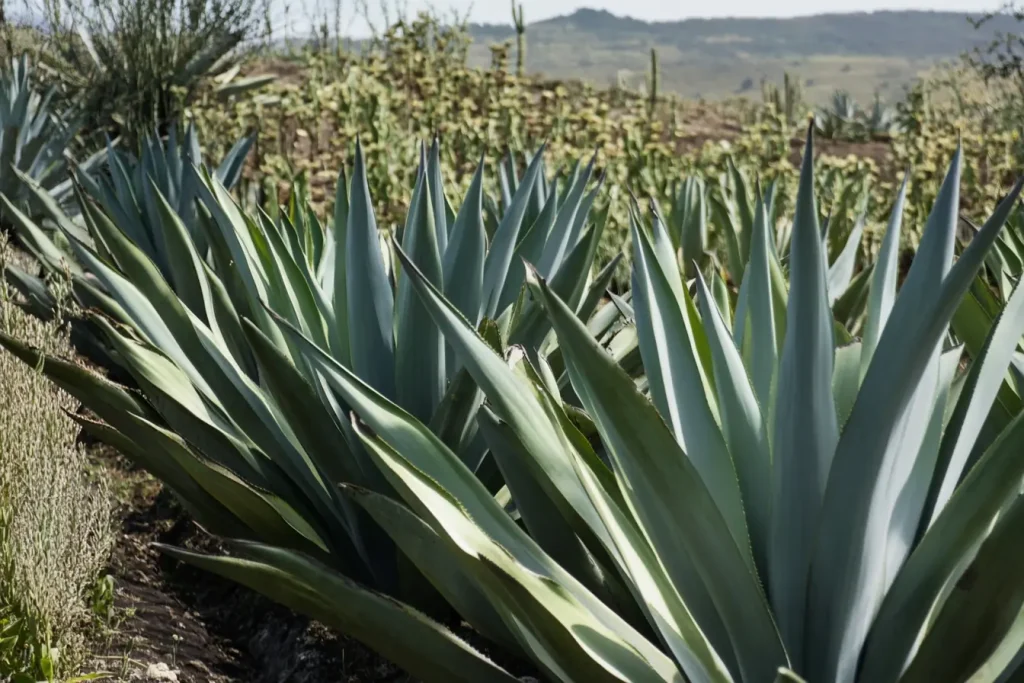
{"x":511,"y":380}
{"x":417,"y":85}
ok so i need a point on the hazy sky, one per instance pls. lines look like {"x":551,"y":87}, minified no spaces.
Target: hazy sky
{"x":497,"y":11}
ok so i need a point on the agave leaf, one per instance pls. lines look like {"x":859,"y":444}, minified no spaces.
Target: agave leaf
{"x":226,"y":324}
{"x":568,"y":630}
{"x":436,"y":463}
{"x":49,"y":206}
{"x":169,"y":390}
{"x":759,"y":334}
{"x":787,"y":676}
{"x":507,"y":180}
{"x":123,"y":185}
{"x":740,"y":335}
{"x":186,"y":267}
{"x":586,"y":557}
{"x":805,"y":428}
{"x":454,"y":420}
{"x":336,"y":280}
{"x":533,"y":326}
{"x":211,"y":489}
{"x":438,"y":201}
{"x":518,"y":405}
{"x":263,"y":512}
{"x":419,"y":354}
{"x":406,"y":435}
{"x":1004,"y":663}
{"x":370,"y":298}
{"x":692,"y":236}
{"x":311,"y":306}
{"x":229,"y":233}
{"x":128,"y":416}
{"x":858,"y":501}
{"x":141,"y":310}
{"x":38,"y":299}
{"x":418,"y":644}
{"x":983,"y":605}
{"x":743,"y":426}
{"x":685,"y":527}
{"x":429,"y":554}
{"x":191,"y":342}
{"x":291,"y":286}
{"x":464,"y":258}
{"x":540,"y":514}
{"x":741,"y":206}
{"x":972,"y":323}
{"x":514,"y":402}
{"x":883,"y":280}
{"x":499,"y":258}
{"x":229,"y":172}
{"x":849,"y":308}
{"x":313,"y":424}
{"x":846,"y":379}
{"x":529,"y":249}
{"x":665,"y":609}
{"x":723,"y":221}
{"x":677,"y":385}
{"x":204,"y":509}
{"x":155,"y":310}
{"x":557,"y":245}
{"x":32,"y":236}
{"x":596,"y":290}
{"x":780,"y":296}
{"x":985,"y":379}
{"x":910,"y":489}
{"x":720,"y":292}
{"x":840,"y":273}
{"x":580,"y":223}
{"x":578,"y":264}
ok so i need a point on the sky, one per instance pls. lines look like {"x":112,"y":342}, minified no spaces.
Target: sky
{"x":498,"y":11}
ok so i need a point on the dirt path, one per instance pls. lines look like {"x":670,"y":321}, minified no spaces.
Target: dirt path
{"x":178,"y":624}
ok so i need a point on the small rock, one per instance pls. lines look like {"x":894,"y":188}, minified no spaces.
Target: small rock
{"x":161,"y":672}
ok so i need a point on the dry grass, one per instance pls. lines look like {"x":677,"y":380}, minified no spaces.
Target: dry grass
{"x":56,"y":528}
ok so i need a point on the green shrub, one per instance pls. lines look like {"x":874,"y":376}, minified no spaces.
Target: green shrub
{"x":55,"y":519}
{"x":131,"y":65}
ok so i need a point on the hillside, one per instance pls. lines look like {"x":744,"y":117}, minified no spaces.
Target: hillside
{"x":716,"y":58}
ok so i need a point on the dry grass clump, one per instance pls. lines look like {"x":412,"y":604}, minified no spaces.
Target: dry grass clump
{"x":56,"y":527}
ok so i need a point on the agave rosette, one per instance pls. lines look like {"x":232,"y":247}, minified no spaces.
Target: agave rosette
{"x":35,"y":140}
{"x":732,"y":209}
{"x":130,"y":188}
{"x":233,"y":415}
{"x":845,"y":510}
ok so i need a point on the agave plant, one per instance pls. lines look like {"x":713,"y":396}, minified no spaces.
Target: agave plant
{"x":989,"y":294}
{"x":838,"y":118}
{"x":688,"y":222}
{"x":880,"y":121}
{"x":732,"y":211}
{"x":135,"y":190}
{"x":810,"y":509}
{"x":232,"y":414}
{"x":35,"y":138}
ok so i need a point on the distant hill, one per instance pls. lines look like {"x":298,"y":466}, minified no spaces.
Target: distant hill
{"x":716,"y":58}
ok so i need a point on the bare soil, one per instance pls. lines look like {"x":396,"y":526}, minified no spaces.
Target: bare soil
{"x":176,"y":623}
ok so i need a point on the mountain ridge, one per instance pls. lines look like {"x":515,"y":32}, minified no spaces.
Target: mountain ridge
{"x":862,"y":52}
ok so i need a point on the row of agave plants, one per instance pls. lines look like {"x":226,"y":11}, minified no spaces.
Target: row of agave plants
{"x":708,"y":478}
